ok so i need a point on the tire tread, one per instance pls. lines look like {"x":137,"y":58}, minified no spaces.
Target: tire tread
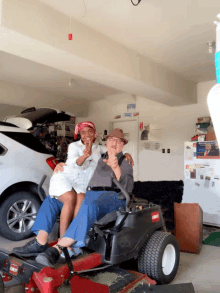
{"x":150,"y":253}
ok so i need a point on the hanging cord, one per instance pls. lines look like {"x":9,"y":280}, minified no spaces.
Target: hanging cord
{"x":136,"y":3}
{"x":85,"y":10}
{"x":70,"y":35}
{"x":70,"y":24}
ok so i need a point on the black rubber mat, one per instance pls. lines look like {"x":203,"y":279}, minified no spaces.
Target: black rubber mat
{"x":177,"y":288}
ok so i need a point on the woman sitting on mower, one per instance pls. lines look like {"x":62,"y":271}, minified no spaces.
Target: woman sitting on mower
{"x":69,"y":186}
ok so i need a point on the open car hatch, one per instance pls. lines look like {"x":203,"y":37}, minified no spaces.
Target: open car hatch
{"x":32,"y":117}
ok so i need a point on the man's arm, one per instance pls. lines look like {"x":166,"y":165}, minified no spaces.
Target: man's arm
{"x":126,"y":179}
{"x":117,"y":172}
{"x":112,"y":161}
{"x":123,"y":173}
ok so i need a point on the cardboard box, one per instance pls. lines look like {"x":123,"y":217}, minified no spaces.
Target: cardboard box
{"x":204,"y":119}
{"x":210,"y":136}
{"x":189,"y":226}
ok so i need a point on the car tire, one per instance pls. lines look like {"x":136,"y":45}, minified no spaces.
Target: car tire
{"x":17,"y":215}
{"x":159,"y":257}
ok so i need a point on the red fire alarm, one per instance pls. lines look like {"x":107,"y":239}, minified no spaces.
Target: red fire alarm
{"x":141,"y":125}
{"x":70,"y":37}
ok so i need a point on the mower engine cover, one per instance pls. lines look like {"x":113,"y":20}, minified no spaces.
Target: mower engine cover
{"x":118,"y":246}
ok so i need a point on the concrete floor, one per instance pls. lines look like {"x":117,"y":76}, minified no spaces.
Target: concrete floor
{"x":201,"y":270}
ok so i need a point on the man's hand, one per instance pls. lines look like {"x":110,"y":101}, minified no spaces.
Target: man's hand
{"x":112,"y":160}
{"x":59,"y":168}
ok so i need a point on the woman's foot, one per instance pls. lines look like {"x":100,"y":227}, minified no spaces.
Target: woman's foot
{"x":32,"y":248}
{"x":73,"y":251}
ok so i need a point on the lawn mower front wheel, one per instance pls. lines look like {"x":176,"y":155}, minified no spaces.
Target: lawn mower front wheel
{"x":159,"y":257}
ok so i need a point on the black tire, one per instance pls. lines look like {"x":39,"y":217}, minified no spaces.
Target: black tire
{"x":159,"y":245}
{"x":2,"y":287}
{"x":17,"y":215}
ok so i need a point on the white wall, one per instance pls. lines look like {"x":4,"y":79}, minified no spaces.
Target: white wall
{"x":177,"y":123}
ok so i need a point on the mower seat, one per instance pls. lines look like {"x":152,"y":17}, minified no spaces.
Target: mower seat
{"x":107,"y":219}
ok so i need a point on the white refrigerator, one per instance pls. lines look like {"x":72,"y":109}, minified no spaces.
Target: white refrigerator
{"x":202,"y":179}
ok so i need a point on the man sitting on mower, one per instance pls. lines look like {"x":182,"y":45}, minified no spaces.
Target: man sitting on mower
{"x":100,"y":199}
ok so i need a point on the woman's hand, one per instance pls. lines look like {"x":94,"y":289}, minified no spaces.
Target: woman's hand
{"x":88,"y":148}
{"x":128,"y":158}
{"x":87,"y":153}
{"x":59,"y":168}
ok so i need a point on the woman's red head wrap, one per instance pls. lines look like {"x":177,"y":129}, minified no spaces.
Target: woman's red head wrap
{"x":82,"y":125}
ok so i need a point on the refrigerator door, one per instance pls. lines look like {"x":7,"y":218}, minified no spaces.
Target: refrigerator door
{"x":202,"y":181}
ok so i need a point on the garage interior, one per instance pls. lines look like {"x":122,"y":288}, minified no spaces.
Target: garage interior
{"x":158,"y":56}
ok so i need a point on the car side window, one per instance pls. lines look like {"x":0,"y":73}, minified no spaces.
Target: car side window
{"x":3,"y":150}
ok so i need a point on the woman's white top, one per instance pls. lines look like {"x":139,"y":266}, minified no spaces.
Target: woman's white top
{"x":74,"y":176}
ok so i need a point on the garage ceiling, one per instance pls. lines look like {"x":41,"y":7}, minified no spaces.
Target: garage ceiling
{"x":157,"y":50}
{"x":28,"y":73}
{"x":173,"y":33}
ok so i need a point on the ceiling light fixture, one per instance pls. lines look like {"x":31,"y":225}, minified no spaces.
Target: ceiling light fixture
{"x":211,"y":46}
{"x":70,"y":82}
{"x":135,"y":4}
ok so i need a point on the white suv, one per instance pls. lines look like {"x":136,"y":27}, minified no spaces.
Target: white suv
{"x":25,"y":170}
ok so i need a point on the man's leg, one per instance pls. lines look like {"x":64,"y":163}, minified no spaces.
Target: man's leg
{"x":43,"y":225}
{"x":69,"y":201}
{"x":95,"y":206}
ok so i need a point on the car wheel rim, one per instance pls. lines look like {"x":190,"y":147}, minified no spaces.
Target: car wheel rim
{"x":21,"y":216}
{"x":168,"y":259}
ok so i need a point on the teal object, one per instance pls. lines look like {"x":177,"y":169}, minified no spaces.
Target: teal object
{"x":217,"y":66}
{"x":213,"y":239}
